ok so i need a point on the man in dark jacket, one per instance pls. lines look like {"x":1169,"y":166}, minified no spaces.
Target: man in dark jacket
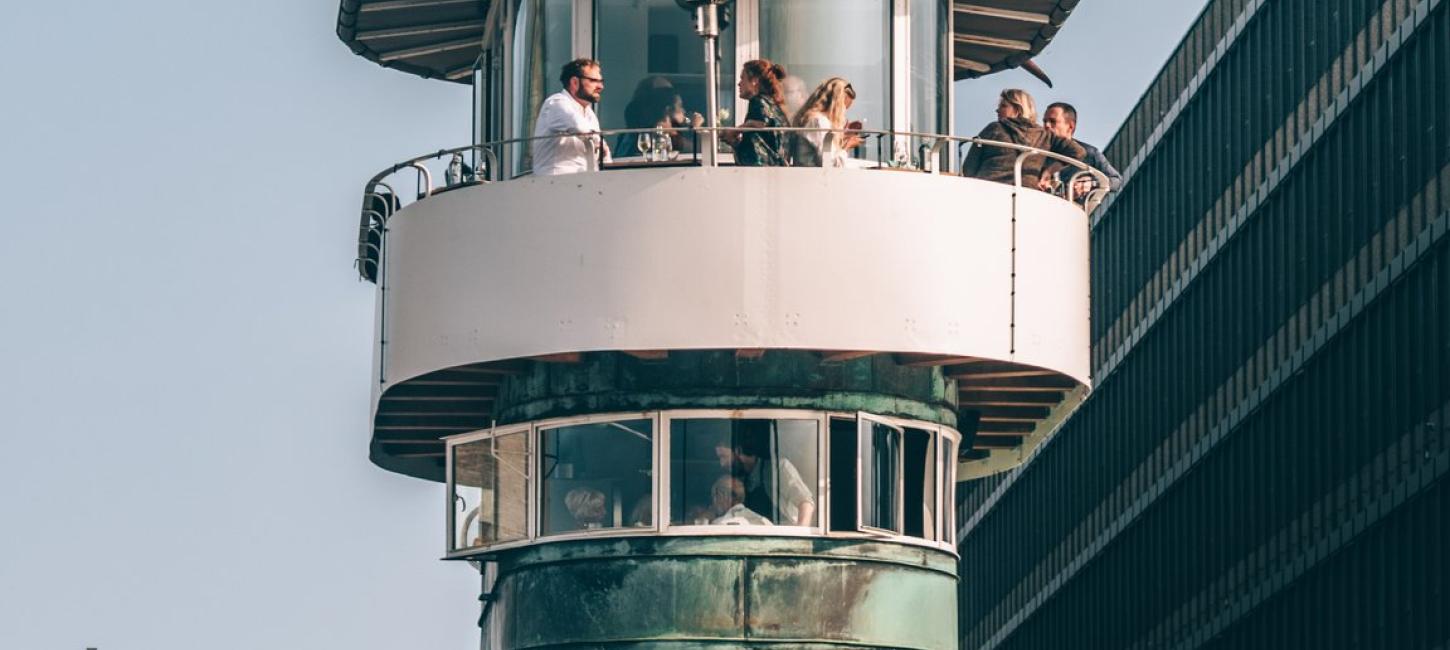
{"x":1017,"y":124}
{"x":1061,"y":118}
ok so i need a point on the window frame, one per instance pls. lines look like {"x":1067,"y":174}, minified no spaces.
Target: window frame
{"x":537,"y":488}
{"x":661,"y":480}
{"x":666,"y":481}
{"x":946,"y":496}
{"x":900,"y":481}
{"x":451,"y":520}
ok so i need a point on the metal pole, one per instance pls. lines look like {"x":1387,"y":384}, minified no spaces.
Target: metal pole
{"x":707,"y":25}
{"x":480,"y":95}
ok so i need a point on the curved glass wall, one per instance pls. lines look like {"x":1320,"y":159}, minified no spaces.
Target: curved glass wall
{"x":542,"y":44}
{"x":793,"y":473}
{"x":654,"y":66}
{"x":927,"y":83}
{"x":654,"y":62}
{"x":819,"y":39}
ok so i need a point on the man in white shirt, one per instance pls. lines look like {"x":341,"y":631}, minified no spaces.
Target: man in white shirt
{"x":570,"y":111}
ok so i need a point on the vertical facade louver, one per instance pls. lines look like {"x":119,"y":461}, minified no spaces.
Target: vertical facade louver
{"x":1263,"y":460}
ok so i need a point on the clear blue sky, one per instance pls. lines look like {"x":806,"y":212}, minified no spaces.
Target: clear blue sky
{"x":184,"y":350}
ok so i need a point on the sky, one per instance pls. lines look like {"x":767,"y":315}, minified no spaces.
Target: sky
{"x":184,"y":346}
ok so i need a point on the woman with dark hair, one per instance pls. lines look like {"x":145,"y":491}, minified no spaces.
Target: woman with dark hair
{"x":656,"y":104}
{"x":760,"y":84}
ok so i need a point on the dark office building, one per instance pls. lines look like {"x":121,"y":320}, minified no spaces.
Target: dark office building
{"x":1263,"y":460}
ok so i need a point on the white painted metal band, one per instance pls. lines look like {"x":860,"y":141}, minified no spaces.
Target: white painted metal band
{"x":704,"y":258}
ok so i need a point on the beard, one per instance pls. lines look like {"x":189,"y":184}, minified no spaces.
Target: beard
{"x":584,"y":95}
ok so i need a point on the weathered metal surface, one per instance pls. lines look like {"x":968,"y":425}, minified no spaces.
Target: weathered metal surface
{"x":605,"y":382}
{"x":723,"y":592}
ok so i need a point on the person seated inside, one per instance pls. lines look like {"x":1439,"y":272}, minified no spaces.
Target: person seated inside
{"x":831,"y":137}
{"x":1017,"y":124}
{"x":656,"y":104}
{"x":727,"y":504}
{"x":642,"y":514}
{"x":773,"y":486}
{"x":587,"y":506}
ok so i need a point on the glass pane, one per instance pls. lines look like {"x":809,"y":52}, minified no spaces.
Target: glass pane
{"x":949,"y":490}
{"x":511,"y":466}
{"x":597,"y":476}
{"x":473,"y":504}
{"x":819,"y":39}
{"x":919,"y":488}
{"x":842,"y":476}
{"x":655,"y":66}
{"x":543,"y":43}
{"x":743,"y":472}
{"x":927,"y":89}
{"x":880,"y":455}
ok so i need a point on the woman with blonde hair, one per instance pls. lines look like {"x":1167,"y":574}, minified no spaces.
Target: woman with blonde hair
{"x":825,"y":112}
{"x":1017,"y":124}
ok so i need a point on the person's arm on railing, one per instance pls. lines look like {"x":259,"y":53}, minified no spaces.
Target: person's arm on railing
{"x":1096,"y":158}
{"x":1050,"y":167}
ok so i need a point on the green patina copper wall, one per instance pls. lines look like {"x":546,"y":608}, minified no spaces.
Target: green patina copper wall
{"x":716,"y":592}
{"x":613,"y":382}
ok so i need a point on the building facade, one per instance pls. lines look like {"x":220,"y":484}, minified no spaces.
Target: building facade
{"x":1262,"y":463}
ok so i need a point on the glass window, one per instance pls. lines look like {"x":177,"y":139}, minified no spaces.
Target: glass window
{"x":844,"y":490}
{"x":655,"y":64}
{"x":948,"y":490}
{"x":919,"y":485}
{"x":543,"y":43}
{"x":759,"y":472}
{"x":596,"y":476}
{"x":470,"y":485}
{"x":819,"y":39}
{"x":490,"y":491}
{"x":880,"y":476}
{"x":927,"y":88}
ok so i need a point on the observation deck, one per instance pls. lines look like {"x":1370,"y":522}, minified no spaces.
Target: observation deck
{"x":678,"y":402}
{"x":643,"y":267}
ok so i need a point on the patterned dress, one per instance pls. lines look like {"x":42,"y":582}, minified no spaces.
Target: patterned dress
{"x":762,"y":148}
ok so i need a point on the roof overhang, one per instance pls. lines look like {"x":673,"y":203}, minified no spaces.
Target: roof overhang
{"x":434,"y":39}
{"x":995,"y":35}
{"x":441,"y":39}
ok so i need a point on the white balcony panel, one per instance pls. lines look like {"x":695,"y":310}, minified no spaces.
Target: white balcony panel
{"x":701,"y":258}
{"x":1053,"y":308}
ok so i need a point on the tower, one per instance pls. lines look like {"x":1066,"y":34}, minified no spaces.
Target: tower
{"x":678,"y":402}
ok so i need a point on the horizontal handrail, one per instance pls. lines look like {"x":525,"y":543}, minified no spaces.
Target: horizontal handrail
{"x":494,"y":156}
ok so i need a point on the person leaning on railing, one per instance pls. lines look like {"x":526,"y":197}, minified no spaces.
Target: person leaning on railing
{"x":1017,"y":124}
{"x":760,"y":84}
{"x":570,"y":111}
{"x":1061,"y":118}
{"x":825,"y":112}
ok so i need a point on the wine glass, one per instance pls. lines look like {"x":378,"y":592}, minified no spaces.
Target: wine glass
{"x":645,"y":143}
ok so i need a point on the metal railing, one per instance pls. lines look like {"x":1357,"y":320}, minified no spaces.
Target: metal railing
{"x":502,"y":160}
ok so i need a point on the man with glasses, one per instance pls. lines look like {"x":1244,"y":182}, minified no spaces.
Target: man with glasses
{"x":570,"y":111}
